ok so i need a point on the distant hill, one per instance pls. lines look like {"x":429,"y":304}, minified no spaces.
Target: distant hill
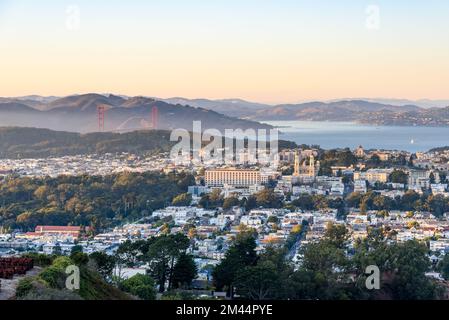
{"x":230,"y":107}
{"x":373,"y":111}
{"x":440,"y":149}
{"x":422,"y":103}
{"x":334,"y":111}
{"x":79,"y":114}
{"x":423,"y":117}
{"x":11,"y":107}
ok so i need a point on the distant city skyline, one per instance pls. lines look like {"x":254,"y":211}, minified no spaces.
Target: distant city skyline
{"x":264,"y":51}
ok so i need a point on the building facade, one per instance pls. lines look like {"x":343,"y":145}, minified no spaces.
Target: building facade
{"x":233,"y":177}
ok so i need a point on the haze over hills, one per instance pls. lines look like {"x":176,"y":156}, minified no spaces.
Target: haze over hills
{"x":79,"y":114}
{"x":230,"y":107}
{"x":423,"y":103}
{"x":373,"y":111}
{"x":334,"y":111}
{"x":233,"y":106}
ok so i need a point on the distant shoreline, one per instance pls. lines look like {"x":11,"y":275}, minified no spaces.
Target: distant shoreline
{"x":335,"y":134}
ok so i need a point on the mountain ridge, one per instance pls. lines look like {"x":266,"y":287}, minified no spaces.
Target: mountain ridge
{"x":79,"y":113}
{"x":135,"y":112}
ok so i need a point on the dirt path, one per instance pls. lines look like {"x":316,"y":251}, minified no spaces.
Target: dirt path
{"x":8,"y":287}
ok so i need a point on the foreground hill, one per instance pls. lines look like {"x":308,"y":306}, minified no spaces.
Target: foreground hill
{"x":79,"y":114}
{"x":25,"y":143}
{"x":50,"y":282}
{"x":39,"y":143}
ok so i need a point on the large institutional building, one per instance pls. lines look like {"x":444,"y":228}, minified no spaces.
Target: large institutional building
{"x":233,"y":177}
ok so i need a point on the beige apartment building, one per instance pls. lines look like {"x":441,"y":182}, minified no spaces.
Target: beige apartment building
{"x":232,"y":177}
{"x":374,"y":175}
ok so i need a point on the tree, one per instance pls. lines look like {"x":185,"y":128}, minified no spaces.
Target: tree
{"x":409,"y":200}
{"x":257,"y":282}
{"x":215,"y":196}
{"x":402,"y":265}
{"x":76,"y":248}
{"x":346,"y":158}
{"x":438,"y":205}
{"x":375,"y":161}
{"x":293,"y":237}
{"x":410,"y":262}
{"x":131,"y":253}
{"x":443,"y":267}
{"x":324,"y":267}
{"x":182,"y":200}
{"x":383,"y":203}
{"x":354,"y":199}
{"x":268,"y":199}
{"x":250,"y":203}
{"x":162,"y":255}
{"x":99,"y":202}
{"x":267,"y":279}
{"x":273,"y":219}
{"x":432,"y":178}
{"x":443,"y":177}
{"x":363,"y":207}
{"x":230,"y":202}
{"x":212,"y":200}
{"x":336,"y":235}
{"x":79,"y":258}
{"x":240,"y":255}
{"x":105,"y":264}
{"x":304,"y":202}
{"x":184,"y":272}
{"x":398,"y":176}
{"x":141,"y":286}
{"x":57,"y":251}
{"x":41,"y":192}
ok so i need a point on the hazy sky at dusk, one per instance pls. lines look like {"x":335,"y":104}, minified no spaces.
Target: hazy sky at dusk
{"x":268,"y":51}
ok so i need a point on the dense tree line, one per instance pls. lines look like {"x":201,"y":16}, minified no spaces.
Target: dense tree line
{"x":410,"y":201}
{"x":330,"y":158}
{"x":93,"y":201}
{"x":372,"y":200}
{"x":328,"y":270}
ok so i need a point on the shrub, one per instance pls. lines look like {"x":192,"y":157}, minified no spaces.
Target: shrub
{"x":141,"y":286}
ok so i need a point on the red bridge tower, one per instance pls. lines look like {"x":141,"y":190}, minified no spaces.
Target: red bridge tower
{"x":155,"y":118}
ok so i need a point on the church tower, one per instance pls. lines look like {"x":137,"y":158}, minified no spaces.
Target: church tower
{"x":312,"y":166}
{"x":297,"y":164}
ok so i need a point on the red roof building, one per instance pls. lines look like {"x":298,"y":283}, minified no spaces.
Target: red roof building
{"x":58,"y":230}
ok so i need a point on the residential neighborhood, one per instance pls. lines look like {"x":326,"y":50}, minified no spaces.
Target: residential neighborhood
{"x":364,"y":195}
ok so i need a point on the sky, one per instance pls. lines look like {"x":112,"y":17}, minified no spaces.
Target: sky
{"x":272,"y":51}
